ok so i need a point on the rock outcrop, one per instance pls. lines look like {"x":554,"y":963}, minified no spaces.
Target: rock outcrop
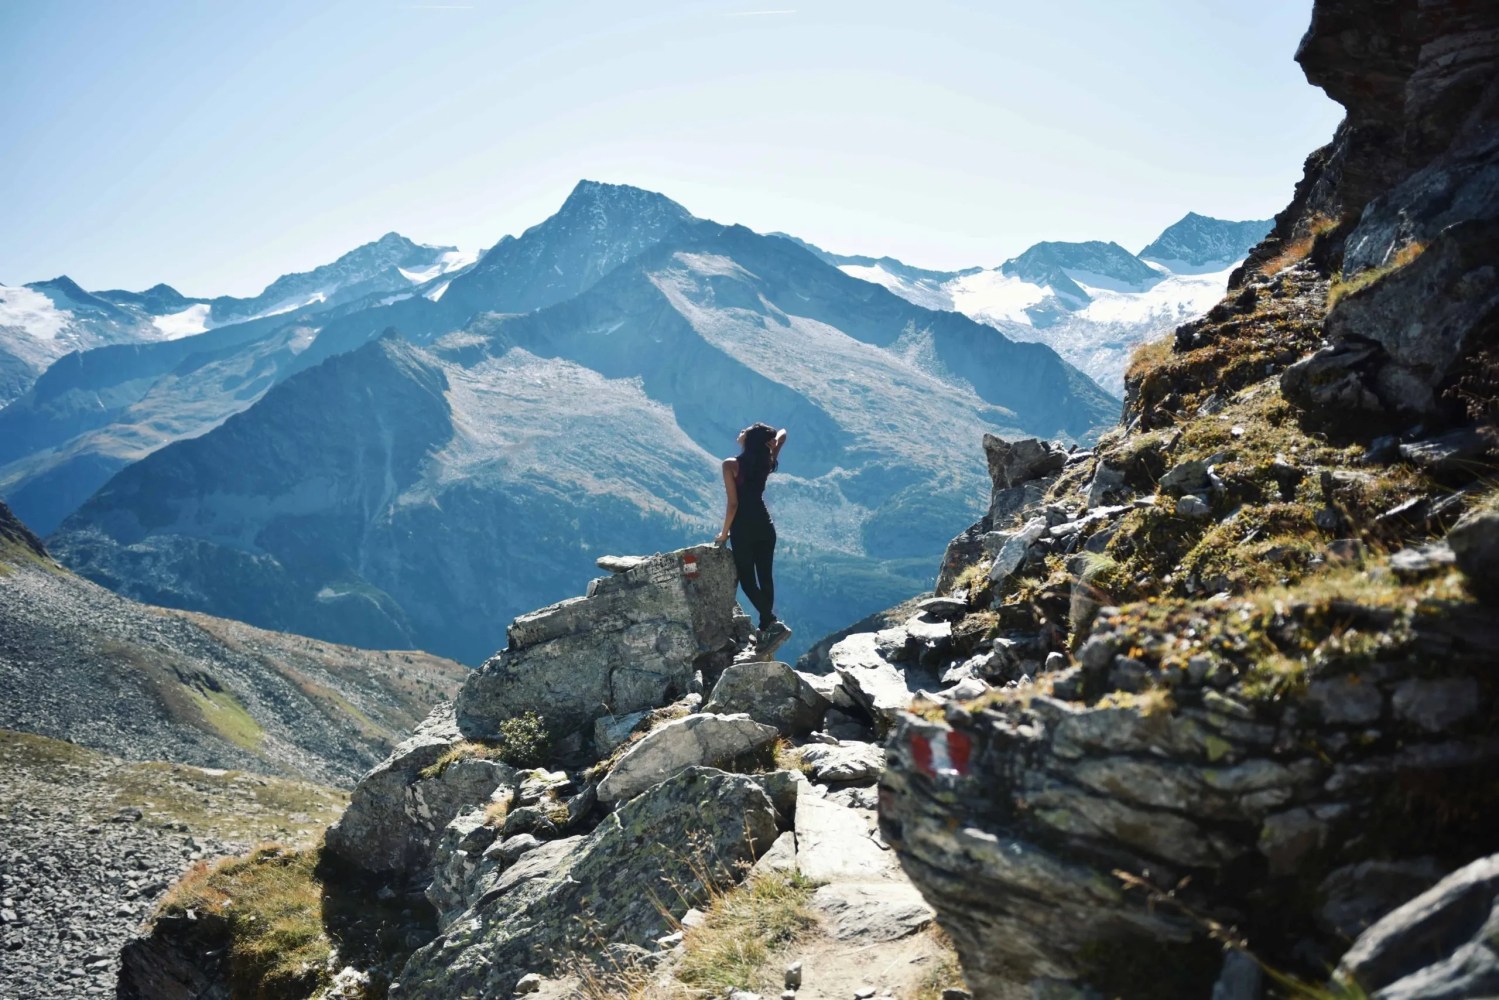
{"x":460,"y":868}
{"x":691,"y":742}
{"x":637,"y":640}
{"x":622,"y":883}
{"x":1237,"y":663}
{"x":401,"y":807}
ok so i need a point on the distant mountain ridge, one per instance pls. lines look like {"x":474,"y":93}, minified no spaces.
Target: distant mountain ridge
{"x":1092,"y":301}
{"x":43,"y":321}
{"x":424,"y":487}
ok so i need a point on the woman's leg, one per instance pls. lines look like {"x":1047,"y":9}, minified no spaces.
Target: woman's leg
{"x":765,"y":555}
{"x":744,"y":547}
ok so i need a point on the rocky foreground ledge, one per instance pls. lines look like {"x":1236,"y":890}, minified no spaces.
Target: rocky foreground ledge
{"x":603,"y":796}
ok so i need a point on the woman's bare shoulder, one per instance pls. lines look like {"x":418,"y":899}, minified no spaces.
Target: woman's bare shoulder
{"x":731,"y":463}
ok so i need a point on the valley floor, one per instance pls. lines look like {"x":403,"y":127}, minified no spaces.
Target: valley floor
{"x":88,"y":844}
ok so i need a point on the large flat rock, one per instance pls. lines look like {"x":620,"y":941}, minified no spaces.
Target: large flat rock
{"x":834,"y":843}
{"x":633,"y":643}
{"x":680,"y":744}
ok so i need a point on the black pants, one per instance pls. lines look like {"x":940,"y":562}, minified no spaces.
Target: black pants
{"x":754,"y":547}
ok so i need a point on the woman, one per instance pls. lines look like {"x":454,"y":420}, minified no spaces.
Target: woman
{"x":746,"y":521}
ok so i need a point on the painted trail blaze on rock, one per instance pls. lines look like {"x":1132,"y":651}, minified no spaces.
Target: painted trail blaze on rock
{"x":689,"y":567}
{"x":942,"y":753}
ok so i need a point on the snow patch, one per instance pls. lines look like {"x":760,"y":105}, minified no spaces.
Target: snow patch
{"x":450,"y":261}
{"x":33,"y":312}
{"x":193,"y":319}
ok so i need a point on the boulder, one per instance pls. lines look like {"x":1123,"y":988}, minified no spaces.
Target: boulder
{"x":1009,"y":549}
{"x":680,"y":744}
{"x":646,"y":864}
{"x":609,"y":731}
{"x":1014,"y":462}
{"x":834,"y":843}
{"x":1354,"y":897}
{"x":460,"y":860}
{"x":633,"y":643}
{"x":870,"y":680}
{"x":771,"y":693}
{"x":1475,"y":545}
{"x":1439,"y":946}
{"x":395,"y":813}
{"x":845,"y":763}
{"x":780,"y":858}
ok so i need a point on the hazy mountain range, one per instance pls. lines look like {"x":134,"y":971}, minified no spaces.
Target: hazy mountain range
{"x":566,"y":394}
{"x":1091,"y":302}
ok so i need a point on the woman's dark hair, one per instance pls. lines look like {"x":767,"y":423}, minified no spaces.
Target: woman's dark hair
{"x":756,"y":462}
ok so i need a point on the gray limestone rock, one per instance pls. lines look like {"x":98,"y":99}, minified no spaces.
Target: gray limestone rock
{"x":1346,"y":700}
{"x":780,"y":858}
{"x":609,"y":731}
{"x":632,"y":644}
{"x":1107,"y":484}
{"x":395,"y":813}
{"x":682,"y":743}
{"x":460,"y":860}
{"x":1193,"y":508}
{"x":1439,"y":946}
{"x":771,"y":693}
{"x":1475,"y":544}
{"x":1436,"y":704}
{"x":655,"y":850}
{"x":870,"y":680}
{"x":1187,"y":477}
{"x":872,"y":911}
{"x":1355,"y":896}
{"x":1241,"y":978}
{"x":1009,"y":548}
{"x":833,"y":843}
{"x":1014,"y":462}
{"x":847,"y":762}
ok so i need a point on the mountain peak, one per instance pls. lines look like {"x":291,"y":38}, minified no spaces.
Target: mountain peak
{"x":599,"y":196}
{"x":1047,"y":264}
{"x":1201,"y":241}
{"x":61,"y":284}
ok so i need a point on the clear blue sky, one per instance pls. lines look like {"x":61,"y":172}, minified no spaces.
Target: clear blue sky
{"x":214,"y":145}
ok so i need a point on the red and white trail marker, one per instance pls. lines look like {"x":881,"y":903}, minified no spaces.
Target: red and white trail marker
{"x":689,"y":567}
{"x":945,"y":753}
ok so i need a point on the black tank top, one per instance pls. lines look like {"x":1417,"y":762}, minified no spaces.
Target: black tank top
{"x":751,"y":498}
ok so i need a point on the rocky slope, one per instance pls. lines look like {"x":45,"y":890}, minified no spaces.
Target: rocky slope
{"x":665,"y":844}
{"x":92,"y":841}
{"x":82,"y":664}
{"x":364,"y":500}
{"x":1233,"y":686}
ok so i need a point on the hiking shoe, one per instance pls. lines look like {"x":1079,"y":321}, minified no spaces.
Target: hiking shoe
{"x":769,"y":638}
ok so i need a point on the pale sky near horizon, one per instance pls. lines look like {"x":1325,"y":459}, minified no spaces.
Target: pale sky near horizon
{"x":214,"y":146}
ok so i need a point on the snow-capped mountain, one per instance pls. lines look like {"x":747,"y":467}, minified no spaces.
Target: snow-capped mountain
{"x":42,"y":321}
{"x":1091,"y":302}
{"x":598,"y":227}
{"x":423,"y":487}
{"x":1203,"y":244}
{"x":392,"y":264}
